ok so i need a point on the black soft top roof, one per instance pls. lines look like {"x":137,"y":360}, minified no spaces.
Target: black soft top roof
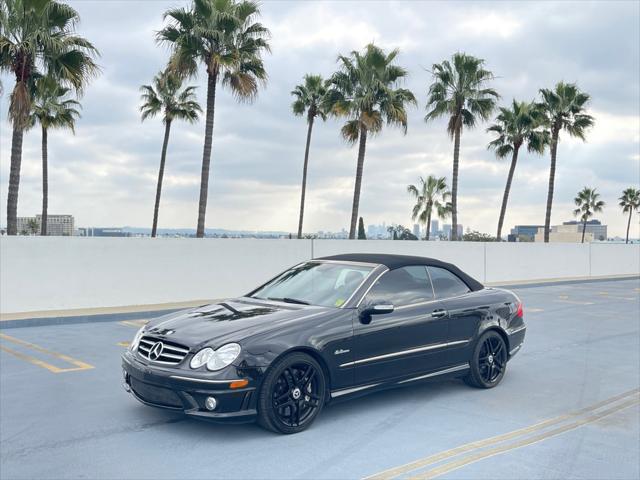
{"x":398,"y":261}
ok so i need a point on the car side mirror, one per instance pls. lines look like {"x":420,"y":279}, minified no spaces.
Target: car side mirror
{"x":375,"y":309}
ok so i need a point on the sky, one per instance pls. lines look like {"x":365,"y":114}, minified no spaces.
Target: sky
{"x":106,"y":174}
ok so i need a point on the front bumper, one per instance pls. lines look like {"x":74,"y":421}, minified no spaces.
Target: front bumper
{"x":175,"y":389}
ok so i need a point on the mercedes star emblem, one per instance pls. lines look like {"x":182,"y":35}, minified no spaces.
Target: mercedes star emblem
{"x":156,"y":351}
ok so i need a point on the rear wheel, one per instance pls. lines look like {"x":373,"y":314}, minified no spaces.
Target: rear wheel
{"x":489,"y":361}
{"x":292,"y":394}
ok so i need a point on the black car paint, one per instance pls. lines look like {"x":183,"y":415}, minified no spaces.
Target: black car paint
{"x":346,"y":345}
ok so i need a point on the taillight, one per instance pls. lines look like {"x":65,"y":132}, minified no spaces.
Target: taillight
{"x":520,"y":311}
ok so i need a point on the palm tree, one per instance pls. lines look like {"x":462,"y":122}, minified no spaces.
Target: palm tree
{"x":430,"y":193}
{"x":588,"y":203}
{"x":38,"y":35}
{"x":459,"y":92}
{"x":166,"y":97}
{"x":32,"y":227}
{"x":365,"y":90}
{"x":515,"y":127}
{"x":630,"y":202}
{"x":309,"y":99}
{"x":226,"y":38}
{"x":563,"y":108}
{"x":51,"y":109}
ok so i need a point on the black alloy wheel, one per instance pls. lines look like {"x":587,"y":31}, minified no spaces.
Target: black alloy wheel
{"x":489,"y":361}
{"x":292,"y":394}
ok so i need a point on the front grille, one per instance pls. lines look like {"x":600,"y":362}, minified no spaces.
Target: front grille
{"x":170,"y":353}
{"x":156,"y":395}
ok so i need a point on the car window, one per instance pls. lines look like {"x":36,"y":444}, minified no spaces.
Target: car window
{"x":316,"y":283}
{"x":446,"y":284}
{"x":402,"y":286}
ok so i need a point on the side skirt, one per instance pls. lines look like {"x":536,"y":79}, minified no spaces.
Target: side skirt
{"x":364,"y":388}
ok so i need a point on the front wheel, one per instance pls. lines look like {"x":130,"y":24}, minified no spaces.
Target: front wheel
{"x":489,"y":361}
{"x":292,"y":394}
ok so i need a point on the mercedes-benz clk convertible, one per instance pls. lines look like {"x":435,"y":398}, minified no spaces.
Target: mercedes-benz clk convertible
{"x":326,"y":329}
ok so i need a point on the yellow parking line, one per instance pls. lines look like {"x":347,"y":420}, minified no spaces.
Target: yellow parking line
{"x":572,"y":302}
{"x":123,"y":344}
{"x":35,"y":361}
{"x":448,"y":467}
{"x":430,"y":460}
{"x":134,"y":323}
{"x":615,"y":297}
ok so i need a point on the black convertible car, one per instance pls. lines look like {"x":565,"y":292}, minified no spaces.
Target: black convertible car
{"x":325,"y":329}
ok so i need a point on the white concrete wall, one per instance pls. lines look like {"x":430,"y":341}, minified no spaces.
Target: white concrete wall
{"x":614,"y":259}
{"x":56,"y":273}
{"x":510,"y":262}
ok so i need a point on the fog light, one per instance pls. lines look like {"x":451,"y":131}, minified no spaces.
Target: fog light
{"x":210,"y":403}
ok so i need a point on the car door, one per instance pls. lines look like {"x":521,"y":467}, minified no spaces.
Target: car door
{"x":409,"y":340}
{"x":463,"y":311}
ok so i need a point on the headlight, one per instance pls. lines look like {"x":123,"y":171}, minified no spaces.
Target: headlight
{"x":201,"y":358}
{"x":216,"y":359}
{"x":136,"y":340}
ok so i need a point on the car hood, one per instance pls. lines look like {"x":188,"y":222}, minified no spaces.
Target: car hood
{"x":227,"y":321}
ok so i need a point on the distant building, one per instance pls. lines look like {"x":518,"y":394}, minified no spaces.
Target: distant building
{"x":103,"y":232}
{"x":57,"y":225}
{"x":446,"y":231}
{"x":416,"y":230}
{"x":435,"y":228}
{"x":25,"y":225}
{"x":594,"y":227}
{"x":564,"y":233}
{"x":523,"y":233}
{"x":572,"y":232}
{"x":377,"y":231}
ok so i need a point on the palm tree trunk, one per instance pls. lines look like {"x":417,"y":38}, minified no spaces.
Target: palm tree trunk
{"x":356,"y":193}
{"x":163,"y":157}
{"x":45,"y":183}
{"x":584,"y":229}
{"x":206,"y":154}
{"x":426,"y":237}
{"x":507,"y":189}
{"x":552,"y":176}
{"x":454,"y":185}
{"x":14,"y":180}
{"x":629,"y":224}
{"x":304,"y":175}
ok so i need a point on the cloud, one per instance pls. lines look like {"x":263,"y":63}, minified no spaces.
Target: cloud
{"x":489,"y":24}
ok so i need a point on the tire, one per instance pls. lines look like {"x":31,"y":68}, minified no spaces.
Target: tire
{"x":489,"y":361}
{"x":292,"y":394}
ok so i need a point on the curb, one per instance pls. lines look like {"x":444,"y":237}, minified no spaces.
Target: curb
{"x":550,"y":283}
{"x":99,"y":318}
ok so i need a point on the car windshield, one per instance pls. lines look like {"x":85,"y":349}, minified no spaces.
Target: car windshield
{"x":315,"y":283}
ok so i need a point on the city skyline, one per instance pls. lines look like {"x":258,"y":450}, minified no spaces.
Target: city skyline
{"x":63,"y":225}
{"x":107,"y":172}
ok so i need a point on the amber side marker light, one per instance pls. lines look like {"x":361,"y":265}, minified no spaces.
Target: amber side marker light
{"x":239,"y":384}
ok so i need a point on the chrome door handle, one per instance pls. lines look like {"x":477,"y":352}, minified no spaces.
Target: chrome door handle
{"x":439,"y":313}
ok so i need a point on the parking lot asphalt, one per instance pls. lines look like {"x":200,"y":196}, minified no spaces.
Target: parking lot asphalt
{"x":568,"y":407}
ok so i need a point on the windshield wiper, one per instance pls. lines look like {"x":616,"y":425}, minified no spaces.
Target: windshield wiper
{"x":289,"y":300}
